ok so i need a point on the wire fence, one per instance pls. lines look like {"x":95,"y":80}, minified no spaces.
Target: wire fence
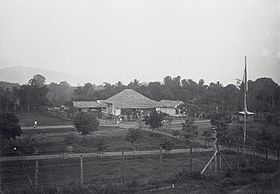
{"x":123,"y":169}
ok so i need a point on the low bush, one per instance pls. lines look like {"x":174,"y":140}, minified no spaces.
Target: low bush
{"x":175,"y":132}
{"x":166,"y":145}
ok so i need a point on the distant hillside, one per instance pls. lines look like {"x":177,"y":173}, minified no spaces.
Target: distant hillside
{"x":21,"y":75}
{"x":8,"y":85}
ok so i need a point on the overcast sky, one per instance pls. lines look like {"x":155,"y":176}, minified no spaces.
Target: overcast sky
{"x":113,"y":40}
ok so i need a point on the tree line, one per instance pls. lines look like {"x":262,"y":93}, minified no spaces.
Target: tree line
{"x":263,"y":94}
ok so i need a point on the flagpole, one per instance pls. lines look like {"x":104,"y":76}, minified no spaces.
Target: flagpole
{"x":245,"y":106}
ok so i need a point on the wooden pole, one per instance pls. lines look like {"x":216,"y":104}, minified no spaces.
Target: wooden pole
{"x":245,"y":108}
{"x":254,"y":144}
{"x":208,"y":163}
{"x":191,"y":158}
{"x":278,"y":154}
{"x":215,"y":149}
{"x":123,"y":176}
{"x":215,"y":163}
{"x":160,"y":156}
{"x":82,"y":170}
{"x":36,"y":174}
{"x":225,"y":160}
{"x":220,"y":162}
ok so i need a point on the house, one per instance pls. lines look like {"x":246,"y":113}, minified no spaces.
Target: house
{"x":249,"y":118}
{"x":169,"y":107}
{"x":129,"y":103}
{"x":90,"y":106}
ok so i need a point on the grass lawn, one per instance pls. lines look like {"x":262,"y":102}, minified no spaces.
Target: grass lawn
{"x":54,"y":142}
{"x":140,"y":172}
{"x":177,"y":125}
{"x":27,"y":119}
{"x":257,"y":126}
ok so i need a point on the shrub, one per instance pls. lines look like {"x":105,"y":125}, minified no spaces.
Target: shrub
{"x":166,"y":145}
{"x":175,"y":132}
{"x":86,"y":123}
{"x":9,"y":126}
{"x":101,"y":145}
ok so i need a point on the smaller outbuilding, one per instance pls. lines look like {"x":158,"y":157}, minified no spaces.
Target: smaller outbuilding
{"x":169,"y":107}
{"x":90,"y":106}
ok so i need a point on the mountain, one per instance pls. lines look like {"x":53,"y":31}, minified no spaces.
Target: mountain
{"x":21,"y":75}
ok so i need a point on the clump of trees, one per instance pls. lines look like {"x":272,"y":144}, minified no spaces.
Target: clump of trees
{"x":154,"y":120}
{"x":220,"y":122}
{"x":9,"y":126}
{"x":60,"y":94}
{"x":33,"y":95}
{"x":85,"y":123}
{"x":263,"y":95}
{"x":9,"y":130}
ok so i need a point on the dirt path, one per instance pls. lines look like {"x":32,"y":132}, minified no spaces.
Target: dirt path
{"x":105,"y":154}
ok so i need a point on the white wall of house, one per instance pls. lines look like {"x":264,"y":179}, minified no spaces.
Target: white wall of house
{"x":116,"y":111}
{"x":170,"y":111}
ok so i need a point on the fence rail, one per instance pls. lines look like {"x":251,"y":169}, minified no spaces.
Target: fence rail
{"x":114,"y":167}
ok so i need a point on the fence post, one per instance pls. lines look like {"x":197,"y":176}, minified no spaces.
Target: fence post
{"x":1,"y":192}
{"x":215,"y":164}
{"x":220,"y":162}
{"x":160,"y":156}
{"x":123,"y":177}
{"x":278,"y":154}
{"x":191,"y":149}
{"x":36,"y":174}
{"x":82,"y":170}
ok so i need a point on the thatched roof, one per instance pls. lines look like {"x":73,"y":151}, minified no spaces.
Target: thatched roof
{"x":88,"y":104}
{"x":129,"y":98}
{"x":169,"y":103}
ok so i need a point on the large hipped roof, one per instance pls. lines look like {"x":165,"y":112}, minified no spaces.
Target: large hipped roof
{"x":129,"y":98}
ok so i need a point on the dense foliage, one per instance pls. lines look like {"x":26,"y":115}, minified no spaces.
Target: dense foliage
{"x":263,"y":95}
{"x":85,"y":123}
{"x":154,"y":120}
{"x":9,"y":126}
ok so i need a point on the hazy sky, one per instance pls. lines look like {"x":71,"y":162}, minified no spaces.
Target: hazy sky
{"x":113,"y":40}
